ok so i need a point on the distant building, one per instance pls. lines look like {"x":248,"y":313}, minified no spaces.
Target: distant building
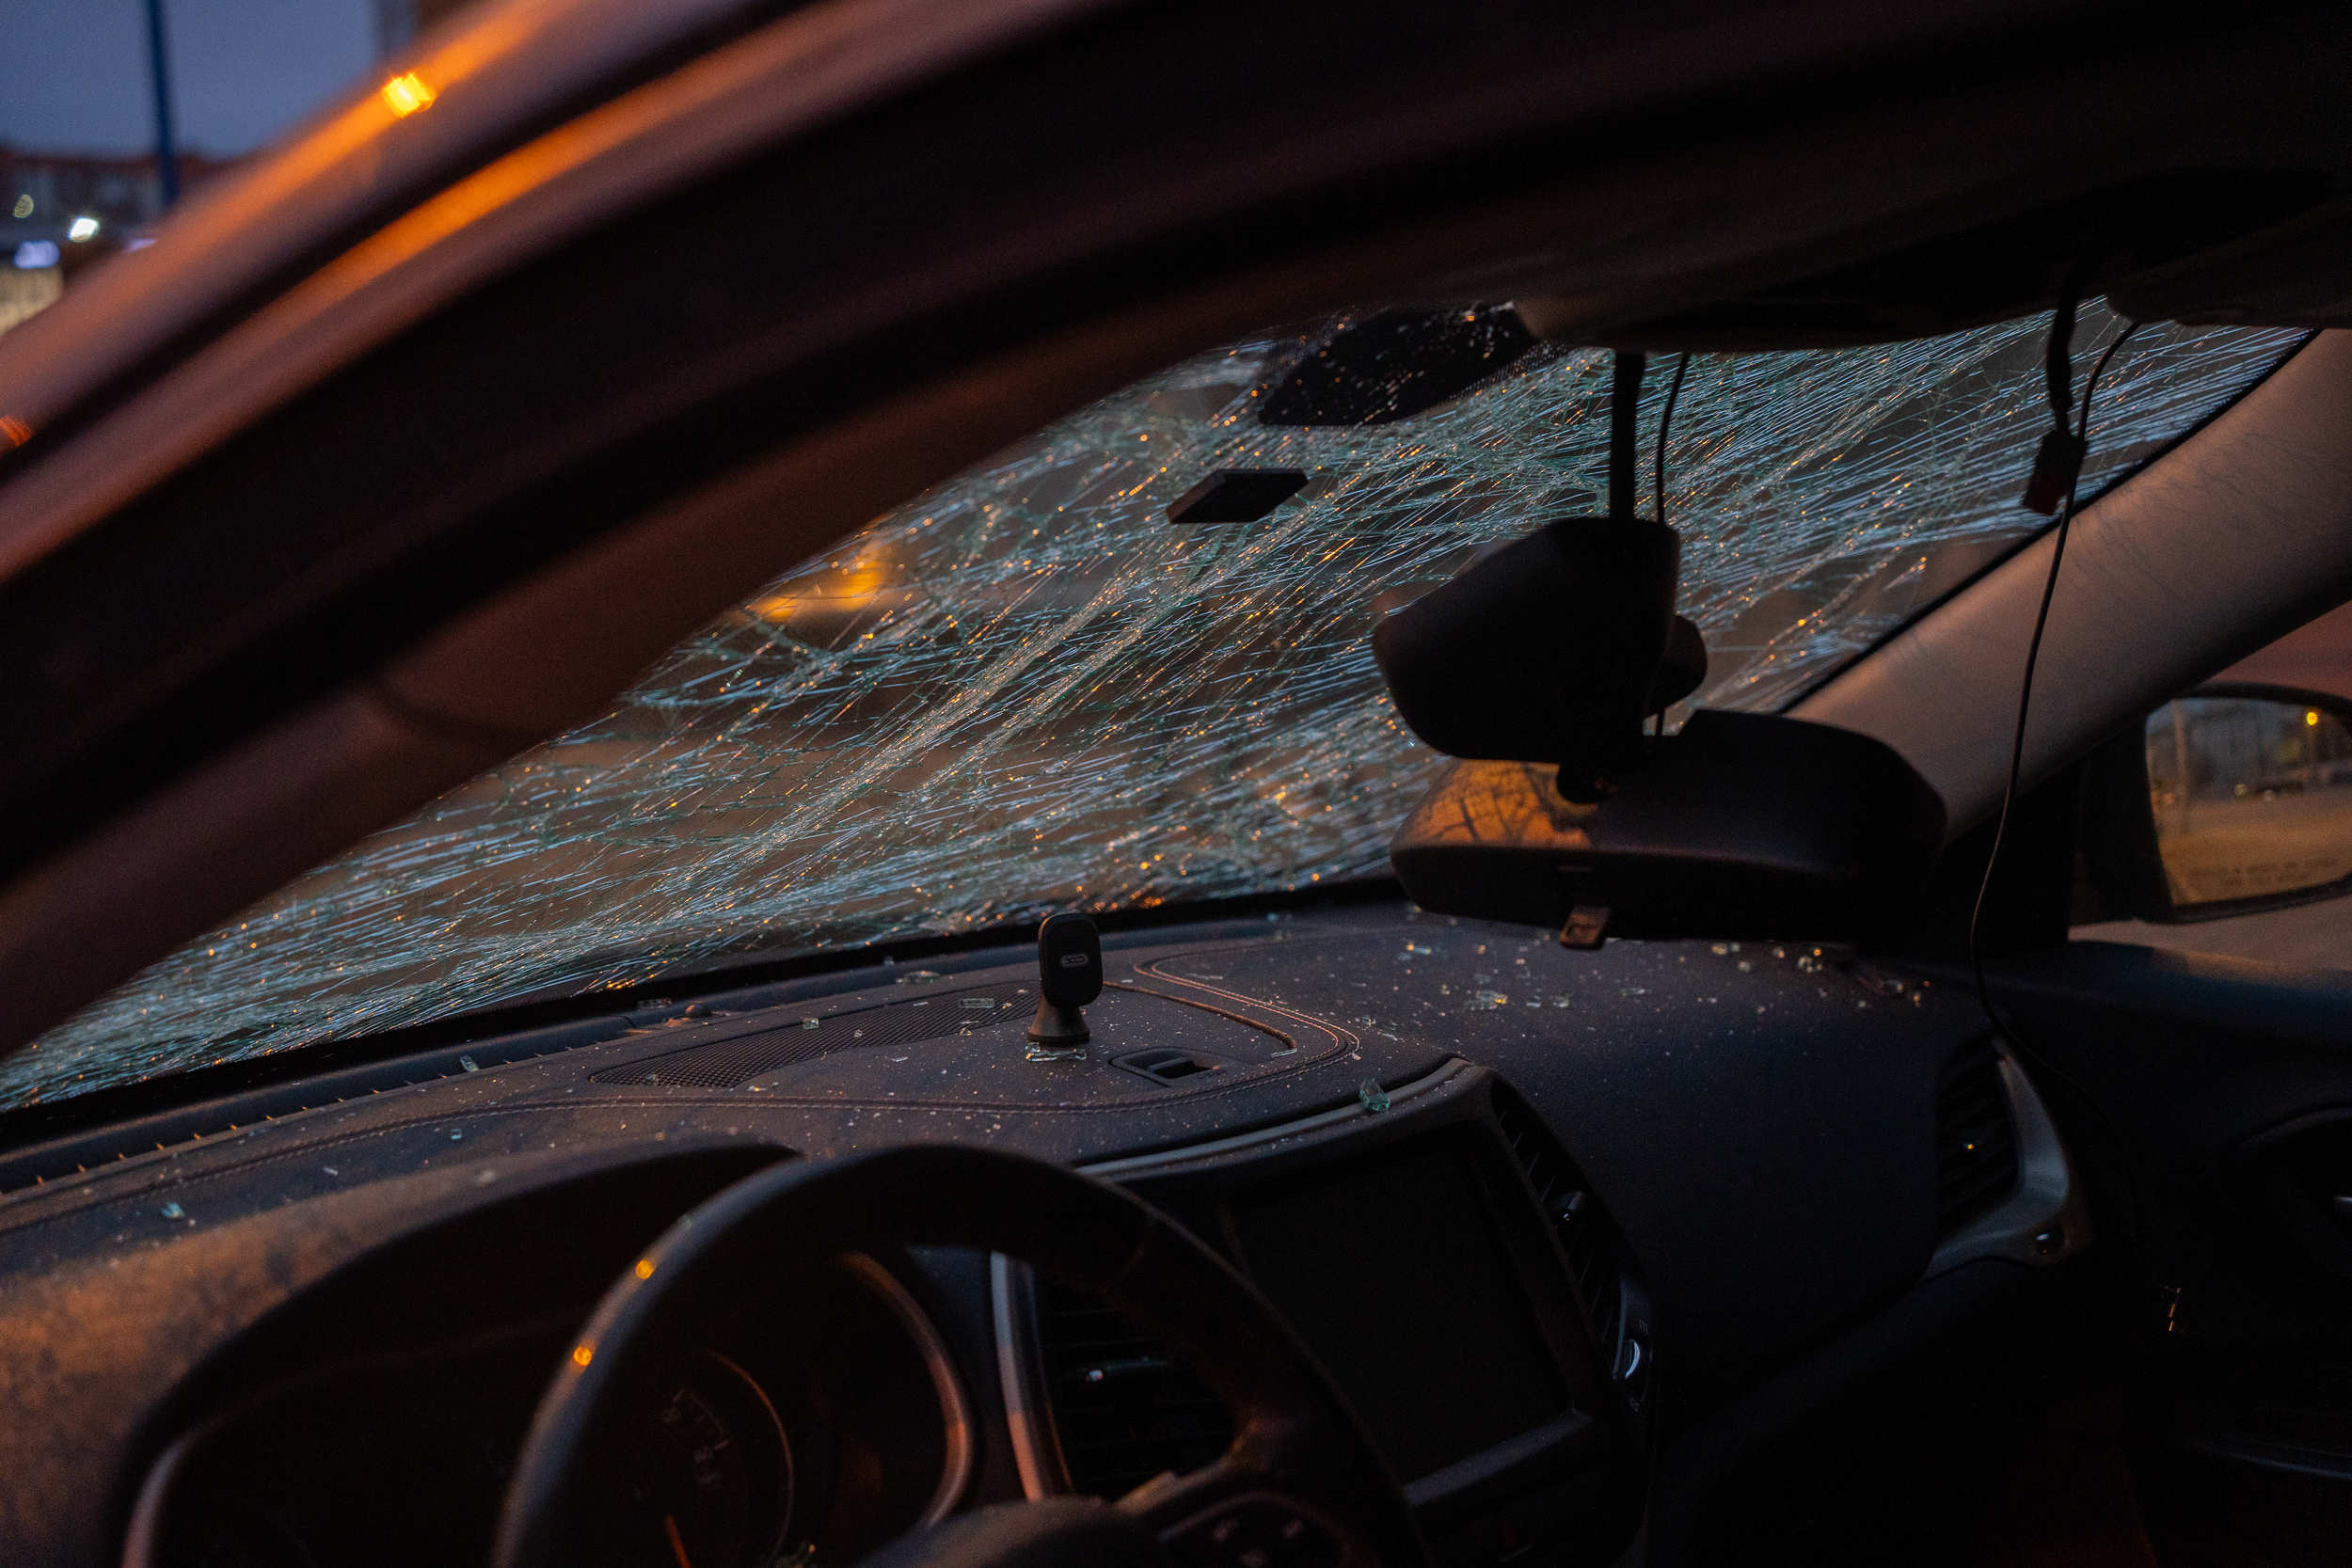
{"x":25,"y":290}
{"x":398,"y":21}
{"x":61,"y":211}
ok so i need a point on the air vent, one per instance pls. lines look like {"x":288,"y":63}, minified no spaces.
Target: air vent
{"x":727,"y":1064}
{"x":1164,"y":1066}
{"x":1595,"y":1251}
{"x":1123,"y":1410}
{"x":1975,"y":1140}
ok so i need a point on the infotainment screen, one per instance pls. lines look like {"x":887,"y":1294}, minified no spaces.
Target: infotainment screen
{"x":1396,"y":1276}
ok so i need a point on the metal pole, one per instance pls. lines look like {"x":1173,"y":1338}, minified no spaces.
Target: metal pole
{"x":2180,"y":761}
{"x":159,"y":66}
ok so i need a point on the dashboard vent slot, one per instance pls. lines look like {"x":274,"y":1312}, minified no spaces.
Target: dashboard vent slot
{"x":1975,"y":1140}
{"x":1164,"y":1066}
{"x":1593,"y":1249}
{"x":1122,"y":1411}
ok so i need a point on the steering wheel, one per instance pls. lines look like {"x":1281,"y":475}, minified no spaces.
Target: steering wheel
{"x":1301,"y":1486}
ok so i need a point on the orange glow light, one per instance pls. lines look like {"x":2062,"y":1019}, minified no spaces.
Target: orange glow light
{"x":2311,"y":717}
{"x":582,"y":1355}
{"x":405,"y":94}
{"x":644,"y":1268}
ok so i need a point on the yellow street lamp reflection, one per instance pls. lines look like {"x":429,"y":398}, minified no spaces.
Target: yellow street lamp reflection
{"x":832,"y":589}
{"x":405,"y":94}
{"x":2311,"y":717}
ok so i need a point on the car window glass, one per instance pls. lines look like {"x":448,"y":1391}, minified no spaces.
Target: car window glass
{"x":1029,"y":689}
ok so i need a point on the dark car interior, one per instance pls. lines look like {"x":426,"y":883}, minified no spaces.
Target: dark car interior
{"x":1909,"y":1122}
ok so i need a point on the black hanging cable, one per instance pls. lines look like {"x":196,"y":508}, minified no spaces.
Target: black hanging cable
{"x":2058,"y":362}
{"x":2060,"y":402}
{"x":2060,"y":461}
{"x":1665,"y":422}
{"x":1658,"y":482}
{"x":2081,"y":436}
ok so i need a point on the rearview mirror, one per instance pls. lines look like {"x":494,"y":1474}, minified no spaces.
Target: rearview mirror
{"x":1743,"y":825}
{"x":2227,"y":800}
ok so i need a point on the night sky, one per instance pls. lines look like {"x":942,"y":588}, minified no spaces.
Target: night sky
{"x":73,"y":73}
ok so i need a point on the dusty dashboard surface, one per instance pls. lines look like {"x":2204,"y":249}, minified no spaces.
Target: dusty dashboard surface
{"x":1694,"y":1087}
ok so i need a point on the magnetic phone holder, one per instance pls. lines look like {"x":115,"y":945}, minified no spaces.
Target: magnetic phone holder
{"x":1059,"y":1025}
{"x":1069,"y":975}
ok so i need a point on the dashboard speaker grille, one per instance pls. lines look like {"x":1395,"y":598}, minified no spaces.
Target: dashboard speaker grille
{"x":1593,"y":1247}
{"x":1122,"y":1411}
{"x":1976,"y":1141}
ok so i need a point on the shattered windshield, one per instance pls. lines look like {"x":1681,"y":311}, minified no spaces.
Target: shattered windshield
{"x":1029,"y":689}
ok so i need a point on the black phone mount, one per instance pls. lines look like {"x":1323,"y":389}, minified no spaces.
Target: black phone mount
{"x":1069,"y":975}
{"x":1554,"y":648}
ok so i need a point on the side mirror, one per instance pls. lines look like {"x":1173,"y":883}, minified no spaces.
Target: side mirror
{"x":2227,"y":800}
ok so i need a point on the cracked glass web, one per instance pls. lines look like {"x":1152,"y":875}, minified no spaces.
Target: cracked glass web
{"x":1026,"y":690}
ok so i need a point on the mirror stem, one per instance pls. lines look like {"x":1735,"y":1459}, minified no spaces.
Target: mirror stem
{"x":1625,"y":411}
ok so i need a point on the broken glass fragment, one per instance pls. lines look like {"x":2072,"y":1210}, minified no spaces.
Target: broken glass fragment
{"x":1370,"y":1096}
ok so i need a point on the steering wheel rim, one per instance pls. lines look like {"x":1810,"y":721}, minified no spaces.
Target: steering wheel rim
{"x":1297,"y":1441}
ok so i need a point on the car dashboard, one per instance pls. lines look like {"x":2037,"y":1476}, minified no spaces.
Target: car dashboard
{"x":1535,"y":1211}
